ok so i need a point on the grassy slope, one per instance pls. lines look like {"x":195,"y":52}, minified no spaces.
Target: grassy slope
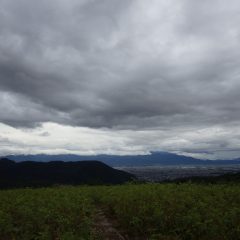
{"x":50,"y":213}
{"x":157,"y":211}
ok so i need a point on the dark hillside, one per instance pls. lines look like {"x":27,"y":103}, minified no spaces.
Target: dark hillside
{"x":221,"y":179}
{"x":39,"y":174}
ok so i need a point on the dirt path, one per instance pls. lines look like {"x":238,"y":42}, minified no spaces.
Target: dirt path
{"x":104,"y":227}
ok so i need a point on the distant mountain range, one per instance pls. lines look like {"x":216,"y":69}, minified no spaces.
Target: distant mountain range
{"x":155,"y":158}
{"x":42,"y":174}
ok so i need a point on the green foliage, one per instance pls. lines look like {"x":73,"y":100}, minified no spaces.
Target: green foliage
{"x":149,"y":211}
{"x":175,"y":211}
{"x":57,"y":213}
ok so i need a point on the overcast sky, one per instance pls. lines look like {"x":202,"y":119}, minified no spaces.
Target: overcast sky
{"x":120,"y":77}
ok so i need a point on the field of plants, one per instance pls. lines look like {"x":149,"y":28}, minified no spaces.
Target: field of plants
{"x":140,"y":211}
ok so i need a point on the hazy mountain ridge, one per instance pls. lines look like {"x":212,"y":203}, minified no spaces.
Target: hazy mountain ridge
{"x":155,"y":158}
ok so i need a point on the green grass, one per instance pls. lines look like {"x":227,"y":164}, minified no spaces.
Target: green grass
{"x":151,"y":211}
{"x":51,"y":213}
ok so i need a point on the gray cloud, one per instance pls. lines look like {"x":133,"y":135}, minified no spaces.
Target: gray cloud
{"x":120,"y":64}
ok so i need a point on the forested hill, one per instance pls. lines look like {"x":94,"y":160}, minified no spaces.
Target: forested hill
{"x":39,"y":174}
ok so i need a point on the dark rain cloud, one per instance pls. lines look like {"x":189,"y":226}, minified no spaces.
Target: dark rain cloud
{"x":119,"y":64}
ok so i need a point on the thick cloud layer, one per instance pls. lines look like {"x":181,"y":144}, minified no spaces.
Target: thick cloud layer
{"x":129,"y":64}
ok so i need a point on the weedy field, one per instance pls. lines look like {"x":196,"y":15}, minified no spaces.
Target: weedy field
{"x":139,"y":211}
